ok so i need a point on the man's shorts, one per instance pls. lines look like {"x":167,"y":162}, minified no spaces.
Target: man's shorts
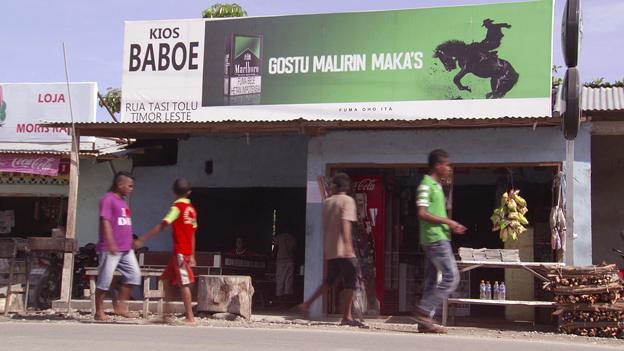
{"x":178,"y":271}
{"x":125,"y":262}
{"x":342,"y":268}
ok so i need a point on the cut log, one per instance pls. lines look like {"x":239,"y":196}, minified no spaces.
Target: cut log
{"x":592,"y":270}
{"x":591,"y":289}
{"x":225,"y":293}
{"x":577,"y":325}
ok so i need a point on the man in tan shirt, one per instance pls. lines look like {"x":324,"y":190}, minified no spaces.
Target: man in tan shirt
{"x":339,"y":213}
{"x":285,"y":246}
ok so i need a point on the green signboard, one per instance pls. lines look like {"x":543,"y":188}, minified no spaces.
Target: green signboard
{"x":464,"y":61}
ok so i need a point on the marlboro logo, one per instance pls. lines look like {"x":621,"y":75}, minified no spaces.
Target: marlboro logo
{"x":243,"y":62}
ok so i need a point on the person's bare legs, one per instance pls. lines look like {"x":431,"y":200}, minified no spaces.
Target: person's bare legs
{"x":121,"y":307}
{"x":169,"y":296}
{"x":185,"y":292}
{"x":99,"y":305}
{"x":348,"y":307}
{"x":305,"y":307}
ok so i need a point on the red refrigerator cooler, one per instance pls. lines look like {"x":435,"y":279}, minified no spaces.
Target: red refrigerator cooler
{"x":371,"y":199}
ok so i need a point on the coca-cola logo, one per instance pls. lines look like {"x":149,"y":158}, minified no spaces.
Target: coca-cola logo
{"x":366,"y":184}
{"x":33,"y":163}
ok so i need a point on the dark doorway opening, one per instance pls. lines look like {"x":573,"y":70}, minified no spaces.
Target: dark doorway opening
{"x":256,"y":215}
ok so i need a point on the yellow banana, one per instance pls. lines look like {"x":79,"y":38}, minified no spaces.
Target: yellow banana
{"x":522,"y":202}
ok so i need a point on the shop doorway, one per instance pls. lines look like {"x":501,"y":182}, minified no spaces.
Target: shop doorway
{"x":395,"y":264}
{"x":256,"y":215}
{"x":31,"y":216}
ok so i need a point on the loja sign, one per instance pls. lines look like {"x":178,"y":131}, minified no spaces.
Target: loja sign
{"x":26,"y":108}
{"x":41,"y":165}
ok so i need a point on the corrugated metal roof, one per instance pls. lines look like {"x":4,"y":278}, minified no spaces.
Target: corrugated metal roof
{"x":597,"y":99}
{"x":98,"y":147}
{"x":302,"y":120}
{"x":602,"y":99}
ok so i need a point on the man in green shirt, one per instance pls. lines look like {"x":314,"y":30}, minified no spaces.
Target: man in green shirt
{"x":435,"y":238}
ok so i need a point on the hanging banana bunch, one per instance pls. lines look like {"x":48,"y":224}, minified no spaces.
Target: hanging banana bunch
{"x":509,"y":218}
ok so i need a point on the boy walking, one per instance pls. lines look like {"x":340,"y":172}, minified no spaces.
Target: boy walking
{"x":339,"y":213}
{"x":436,"y":242}
{"x":114,"y":246}
{"x":183,"y":219}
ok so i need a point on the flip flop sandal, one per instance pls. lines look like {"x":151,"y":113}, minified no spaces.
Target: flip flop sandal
{"x":354,"y":323}
{"x":431,"y":329}
{"x":304,"y":311}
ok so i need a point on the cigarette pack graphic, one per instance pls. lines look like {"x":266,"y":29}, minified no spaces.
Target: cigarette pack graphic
{"x":242,"y":66}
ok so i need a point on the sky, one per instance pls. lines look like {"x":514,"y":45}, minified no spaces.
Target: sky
{"x":32,"y":33}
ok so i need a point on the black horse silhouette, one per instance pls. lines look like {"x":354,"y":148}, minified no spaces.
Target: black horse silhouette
{"x":480,"y":60}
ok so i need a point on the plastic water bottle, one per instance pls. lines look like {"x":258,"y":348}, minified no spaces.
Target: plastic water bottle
{"x":502,"y":291}
{"x":488,"y":291}
{"x":495,"y":291}
{"x":482,"y":290}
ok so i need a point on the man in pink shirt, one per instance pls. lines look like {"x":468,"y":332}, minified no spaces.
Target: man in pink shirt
{"x":115,"y":246}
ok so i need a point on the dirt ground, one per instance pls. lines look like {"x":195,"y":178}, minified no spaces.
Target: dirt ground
{"x":391,"y":325}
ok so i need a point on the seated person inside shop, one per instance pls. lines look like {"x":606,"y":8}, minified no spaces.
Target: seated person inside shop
{"x":241,"y":249}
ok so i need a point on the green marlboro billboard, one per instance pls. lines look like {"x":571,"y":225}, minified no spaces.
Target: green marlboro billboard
{"x":464,"y":61}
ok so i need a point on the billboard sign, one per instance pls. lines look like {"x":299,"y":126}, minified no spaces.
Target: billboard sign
{"x":449,"y":62}
{"x":24,"y":107}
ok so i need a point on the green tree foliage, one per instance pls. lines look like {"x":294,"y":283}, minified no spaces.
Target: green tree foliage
{"x":556,"y":80}
{"x":111,"y":100}
{"x":599,"y":82}
{"x":224,"y":10}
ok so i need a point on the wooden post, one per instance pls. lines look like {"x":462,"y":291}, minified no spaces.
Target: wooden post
{"x":569,"y":176}
{"x":68,"y":257}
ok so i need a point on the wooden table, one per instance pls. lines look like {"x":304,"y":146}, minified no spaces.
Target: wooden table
{"x":148,"y":293}
{"x":535,"y":268}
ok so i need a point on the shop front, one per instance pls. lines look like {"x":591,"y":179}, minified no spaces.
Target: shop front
{"x":34,"y":177}
{"x":386,"y":168}
{"x":33,"y":198}
{"x":265,"y":105}
{"x":246,"y":189}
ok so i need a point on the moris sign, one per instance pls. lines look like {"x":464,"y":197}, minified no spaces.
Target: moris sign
{"x":24,"y":107}
{"x":479,"y":61}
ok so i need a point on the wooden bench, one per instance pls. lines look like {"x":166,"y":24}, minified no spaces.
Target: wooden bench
{"x":207,"y":262}
{"x":148,"y":293}
{"x":535,"y":268}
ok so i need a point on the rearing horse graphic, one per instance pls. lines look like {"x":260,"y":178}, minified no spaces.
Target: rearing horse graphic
{"x":481,"y":60}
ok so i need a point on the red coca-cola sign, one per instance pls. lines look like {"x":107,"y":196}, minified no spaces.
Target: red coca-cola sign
{"x":35,"y":164}
{"x":365,"y":184}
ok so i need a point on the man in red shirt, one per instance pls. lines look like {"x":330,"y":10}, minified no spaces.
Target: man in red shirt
{"x":183,"y":218}
{"x":241,"y":249}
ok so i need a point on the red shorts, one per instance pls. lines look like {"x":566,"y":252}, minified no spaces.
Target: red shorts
{"x":178,"y":271}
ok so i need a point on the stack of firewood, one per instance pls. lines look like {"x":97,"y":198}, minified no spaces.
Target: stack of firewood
{"x":589,"y":300}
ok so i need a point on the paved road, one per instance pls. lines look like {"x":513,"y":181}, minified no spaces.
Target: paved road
{"x":98,"y":337}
